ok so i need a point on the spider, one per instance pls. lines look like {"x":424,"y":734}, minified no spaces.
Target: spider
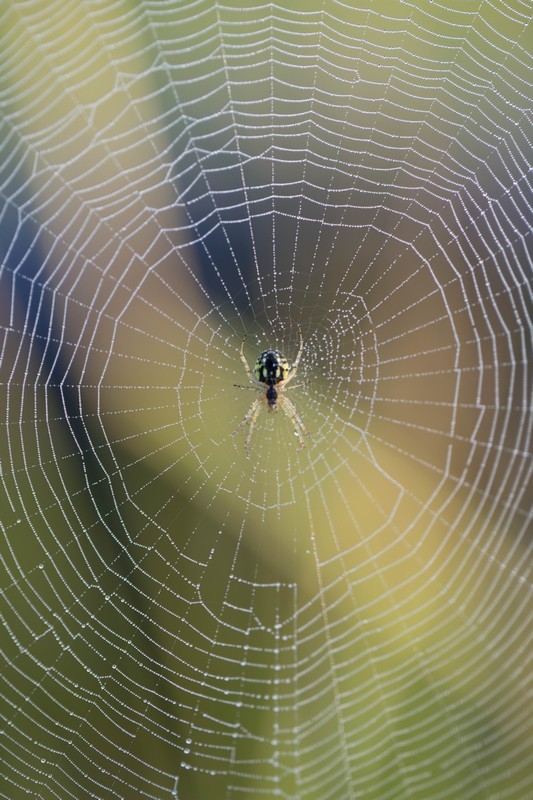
{"x":270,"y":375}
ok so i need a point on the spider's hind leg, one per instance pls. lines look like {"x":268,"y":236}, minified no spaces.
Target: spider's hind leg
{"x":244,"y":361}
{"x":294,"y":368}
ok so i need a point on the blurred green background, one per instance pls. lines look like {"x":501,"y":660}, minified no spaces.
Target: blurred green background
{"x":351,"y":620}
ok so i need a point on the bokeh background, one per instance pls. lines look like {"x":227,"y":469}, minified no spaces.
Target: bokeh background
{"x":348,"y":620}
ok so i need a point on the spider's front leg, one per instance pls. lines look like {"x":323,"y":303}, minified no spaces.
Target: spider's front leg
{"x":253,"y":414}
{"x":299,"y":428}
{"x":249,"y":418}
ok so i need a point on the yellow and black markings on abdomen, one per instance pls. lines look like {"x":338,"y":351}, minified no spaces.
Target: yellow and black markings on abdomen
{"x":271,"y":367}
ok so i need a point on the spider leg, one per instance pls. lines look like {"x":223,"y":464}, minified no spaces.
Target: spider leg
{"x":299,"y":385}
{"x":289,"y":409}
{"x":252,"y":415}
{"x":292,"y":373}
{"x":249,"y":418}
{"x":248,"y":371}
{"x":244,"y":361}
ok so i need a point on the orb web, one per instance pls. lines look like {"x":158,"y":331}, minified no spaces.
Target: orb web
{"x":350,"y":619}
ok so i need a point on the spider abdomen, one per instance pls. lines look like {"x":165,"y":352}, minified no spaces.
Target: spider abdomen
{"x":271,"y":367}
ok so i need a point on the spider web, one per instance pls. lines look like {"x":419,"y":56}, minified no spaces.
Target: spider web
{"x":352,"y":619}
